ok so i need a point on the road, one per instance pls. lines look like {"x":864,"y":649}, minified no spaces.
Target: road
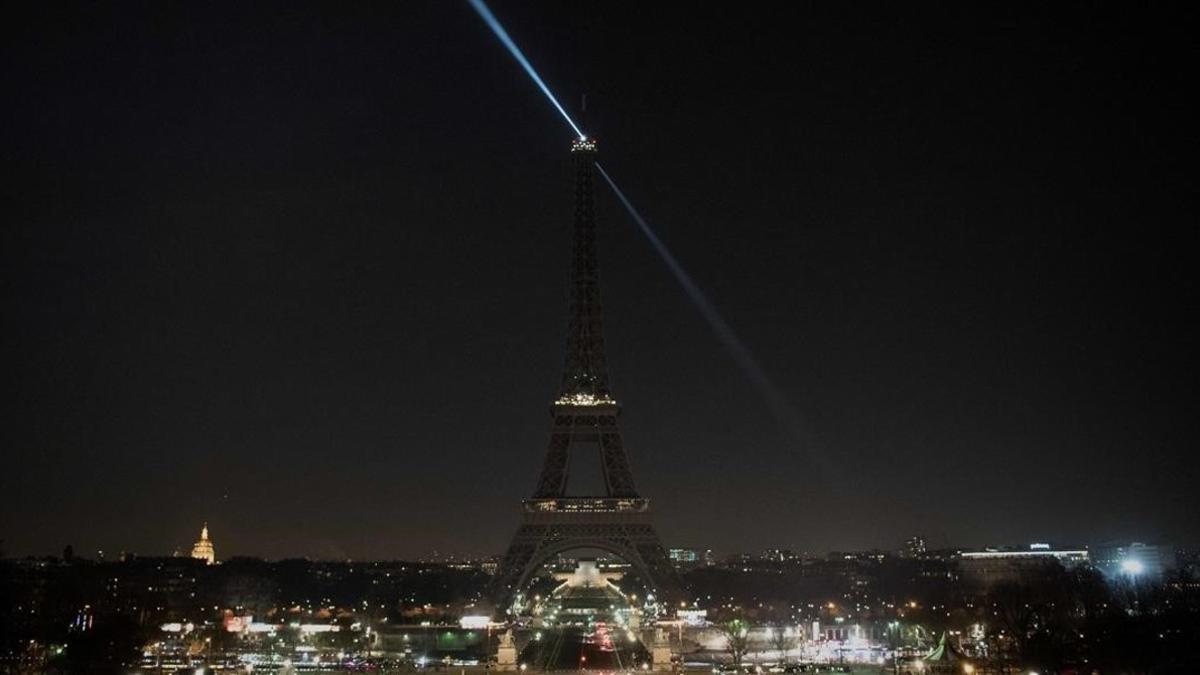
{"x":576,"y":648}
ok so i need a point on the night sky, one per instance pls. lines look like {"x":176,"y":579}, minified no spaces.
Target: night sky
{"x":300,"y":270}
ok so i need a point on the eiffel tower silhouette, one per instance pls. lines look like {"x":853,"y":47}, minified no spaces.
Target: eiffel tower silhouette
{"x":585,"y":414}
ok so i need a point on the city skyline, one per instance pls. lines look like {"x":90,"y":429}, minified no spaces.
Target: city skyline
{"x":318,"y":300}
{"x":204,"y":549}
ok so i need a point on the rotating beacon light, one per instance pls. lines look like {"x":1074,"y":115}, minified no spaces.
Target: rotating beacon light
{"x":494,"y":23}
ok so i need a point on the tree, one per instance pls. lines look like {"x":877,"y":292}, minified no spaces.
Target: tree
{"x":737,"y":639}
{"x":1040,"y":618}
{"x":1014,"y":606}
{"x":783,"y":639}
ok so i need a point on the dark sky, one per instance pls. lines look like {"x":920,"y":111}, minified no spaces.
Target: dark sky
{"x":300,"y":270}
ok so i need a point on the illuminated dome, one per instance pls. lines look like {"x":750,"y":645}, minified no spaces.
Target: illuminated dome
{"x":203,"y":549}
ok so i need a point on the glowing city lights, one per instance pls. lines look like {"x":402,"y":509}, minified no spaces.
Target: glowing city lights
{"x":584,"y":400}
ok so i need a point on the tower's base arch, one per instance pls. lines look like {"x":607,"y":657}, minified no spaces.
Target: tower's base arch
{"x":619,"y":527}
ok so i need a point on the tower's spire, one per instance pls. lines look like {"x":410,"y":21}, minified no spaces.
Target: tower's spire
{"x":585,"y":378}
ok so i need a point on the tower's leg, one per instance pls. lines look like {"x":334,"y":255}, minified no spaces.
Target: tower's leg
{"x":617,"y":474}
{"x":553,"y":481}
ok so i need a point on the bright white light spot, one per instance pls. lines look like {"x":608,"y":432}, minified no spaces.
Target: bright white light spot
{"x":1132,"y":567}
{"x":476,"y":622}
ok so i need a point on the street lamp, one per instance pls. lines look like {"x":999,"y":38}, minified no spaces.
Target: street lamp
{"x":894,"y":631}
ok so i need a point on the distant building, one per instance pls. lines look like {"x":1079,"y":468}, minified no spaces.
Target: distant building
{"x":1133,"y":560}
{"x":489,"y":566}
{"x":846,"y":633}
{"x":203,"y":549}
{"x":914,"y":547}
{"x":684,"y":558}
{"x":165,"y":588}
{"x":780,"y":555}
{"x":991,"y":566}
{"x":1188,"y":560}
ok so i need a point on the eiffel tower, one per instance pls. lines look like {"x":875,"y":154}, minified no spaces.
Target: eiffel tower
{"x":585,"y":414}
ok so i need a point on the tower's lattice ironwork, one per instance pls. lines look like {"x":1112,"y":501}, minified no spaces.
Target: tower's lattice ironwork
{"x":585,"y":414}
